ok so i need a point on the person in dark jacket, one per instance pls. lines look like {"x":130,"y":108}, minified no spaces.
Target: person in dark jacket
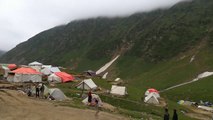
{"x":37,"y":90}
{"x":175,"y":116}
{"x":89,"y":97}
{"x":166,"y":115}
{"x":42,"y":90}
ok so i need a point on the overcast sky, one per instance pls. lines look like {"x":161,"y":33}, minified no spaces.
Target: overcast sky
{"x":22,"y":19}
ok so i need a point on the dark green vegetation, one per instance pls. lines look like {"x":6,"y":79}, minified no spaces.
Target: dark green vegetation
{"x":152,"y":37}
{"x":155,"y":49}
{"x":1,"y":52}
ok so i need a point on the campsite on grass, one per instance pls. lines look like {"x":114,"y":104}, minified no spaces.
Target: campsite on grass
{"x":68,"y":89}
{"x":106,"y":60}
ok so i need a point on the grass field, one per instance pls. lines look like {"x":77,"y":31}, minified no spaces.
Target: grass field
{"x":139,"y":76}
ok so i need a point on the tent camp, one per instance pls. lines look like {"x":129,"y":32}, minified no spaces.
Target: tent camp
{"x":87,"y":84}
{"x":46,"y":71}
{"x":55,"y":69}
{"x":90,"y":73}
{"x":24,"y":75}
{"x":57,"y":94}
{"x":35,"y":64}
{"x":4,"y":71}
{"x":154,"y":91}
{"x":151,"y":99}
{"x":54,"y":79}
{"x":94,"y":97}
{"x":46,"y":66}
{"x":118,"y":90}
{"x":65,"y":77}
{"x":49,"y":70}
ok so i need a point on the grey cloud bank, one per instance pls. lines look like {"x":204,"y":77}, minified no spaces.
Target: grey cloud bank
{"x":22,"y":19}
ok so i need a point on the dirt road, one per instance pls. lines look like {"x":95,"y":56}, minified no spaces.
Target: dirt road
{"x":16,"y":106}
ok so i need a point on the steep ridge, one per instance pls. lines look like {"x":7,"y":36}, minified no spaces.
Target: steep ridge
{"x":154,"y":36}
{"x":1,"y":52}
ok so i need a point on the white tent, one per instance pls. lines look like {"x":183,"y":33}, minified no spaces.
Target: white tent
{"x":94,"y":97}
{"x":118,"y":90}
{"x":37,"y":68}
{"x":35,"y":64}
{"x":46,"y":71}
{"x":50,"y":70}
{"x":24,"y":75}
{"x":87,"y":84}
{"x":157,"y":95}
{"x":151,"y":99}
{"x":55,"y":69}
{"x":46,"y":66}
{"x":6,"y":70}
{"x":57,"y":94}
{"x":24,"y":78}
{"x":54,"y":78}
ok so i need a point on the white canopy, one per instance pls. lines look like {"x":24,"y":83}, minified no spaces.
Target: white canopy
{"x":48,"y":71}
{"x":54,"y":78}
{"x":35,"y":64}
{"x":118,"y":90}
{"x":57,"y":94}
{"x":151,"y":99}
{"x":157,"y":95}
{"x":87,"y":84}
{"x":54,"y":69}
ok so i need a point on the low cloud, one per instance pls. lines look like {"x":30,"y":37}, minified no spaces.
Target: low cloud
{"x":22,"y":19}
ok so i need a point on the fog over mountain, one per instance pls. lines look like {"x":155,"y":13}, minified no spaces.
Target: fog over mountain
{"x":22,"y":19}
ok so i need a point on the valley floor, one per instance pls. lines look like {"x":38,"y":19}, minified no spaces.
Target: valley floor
{"x":16,"y":106}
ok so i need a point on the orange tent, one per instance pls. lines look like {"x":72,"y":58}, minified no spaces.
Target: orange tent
{"x":26,"y":71}
{"x":65,"y":77}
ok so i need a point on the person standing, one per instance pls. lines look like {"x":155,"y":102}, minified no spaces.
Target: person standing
{"x":175,"y":116}
{"x":166,"y":115}
{"x":89,"y":97}
{"x":97,"y":104}
{"x":42,"y":90}
{"x":37,"y":90}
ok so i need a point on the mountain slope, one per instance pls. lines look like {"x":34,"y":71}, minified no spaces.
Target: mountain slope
{"x":150,"y":44}
{"x":1,"y":52}
{"x":154,"y":36}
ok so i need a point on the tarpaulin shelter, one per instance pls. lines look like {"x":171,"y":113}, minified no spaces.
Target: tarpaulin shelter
{"x":24,"y":75}
{"x":65,"y":77}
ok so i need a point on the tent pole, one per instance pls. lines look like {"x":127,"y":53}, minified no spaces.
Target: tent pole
{"x":82,"y":90}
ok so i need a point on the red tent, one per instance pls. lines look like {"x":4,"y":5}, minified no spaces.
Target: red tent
{"x":65,"y":77}
{"x":12,"y":66}
{"x":26,"y":71}
{"x":152,"y":90}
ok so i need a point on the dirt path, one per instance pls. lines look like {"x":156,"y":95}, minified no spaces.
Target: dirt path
{"x":16,"y":106}
{"x":199,"y":77}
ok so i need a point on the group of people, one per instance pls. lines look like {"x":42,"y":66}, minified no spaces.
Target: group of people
{"x":166,"y":115}
{"x":39,"y":89}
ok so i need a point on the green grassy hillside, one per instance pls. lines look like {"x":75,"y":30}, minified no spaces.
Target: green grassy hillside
{"x":153,"y":37}
{"x":155,"y":48}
